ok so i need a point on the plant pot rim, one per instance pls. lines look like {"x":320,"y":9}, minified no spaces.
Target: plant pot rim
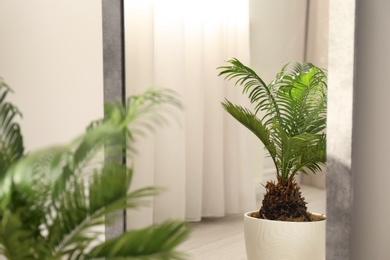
{"x":247,"y":215}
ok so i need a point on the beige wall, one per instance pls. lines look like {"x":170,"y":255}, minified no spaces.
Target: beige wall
{"x":51,"y":55}
{"x":318,"y":33}
{"x":277,"y":31}
{"x":370,"y":146}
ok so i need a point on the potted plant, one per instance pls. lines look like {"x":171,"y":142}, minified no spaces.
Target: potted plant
{"x":53,"y":202}
{"x":289,"y":118}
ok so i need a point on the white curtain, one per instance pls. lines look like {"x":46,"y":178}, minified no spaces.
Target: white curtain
{"x":207,"y":162}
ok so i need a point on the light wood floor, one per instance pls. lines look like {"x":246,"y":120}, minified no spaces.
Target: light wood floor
{"x":223,"y":238}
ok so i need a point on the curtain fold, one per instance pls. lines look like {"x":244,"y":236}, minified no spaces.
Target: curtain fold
{"x":207,"y":160}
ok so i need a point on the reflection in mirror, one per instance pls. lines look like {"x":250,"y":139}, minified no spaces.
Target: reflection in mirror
{"x":211,"y":166}
{"x":179,"y":44}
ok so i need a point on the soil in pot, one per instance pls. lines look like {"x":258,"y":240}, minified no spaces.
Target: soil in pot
{"x":283,"y":201}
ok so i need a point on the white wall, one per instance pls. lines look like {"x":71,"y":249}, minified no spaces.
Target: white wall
{"x":51,"y":55}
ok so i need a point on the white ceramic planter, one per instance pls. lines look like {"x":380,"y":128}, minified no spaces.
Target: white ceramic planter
{"x":277,"y":240}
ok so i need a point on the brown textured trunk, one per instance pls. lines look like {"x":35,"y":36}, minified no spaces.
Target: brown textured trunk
{"x":283,"y":201}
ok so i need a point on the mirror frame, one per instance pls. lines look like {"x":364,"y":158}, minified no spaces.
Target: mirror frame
{"x":114,"y":80}
{"x":339,"y":185}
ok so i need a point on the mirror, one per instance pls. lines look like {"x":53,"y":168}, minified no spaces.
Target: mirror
{"x":179,"y":44}
{"x":336,"y":61}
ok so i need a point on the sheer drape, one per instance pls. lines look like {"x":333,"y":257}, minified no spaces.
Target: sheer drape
{"x":207,"y":162}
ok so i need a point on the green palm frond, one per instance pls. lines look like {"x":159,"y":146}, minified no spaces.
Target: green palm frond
{"x":258,"y":92}
{"x":15,"y":239}
{"x":294,"y":103}
{"x":11,"y":140}
{"x":302,"y":99}
{"x":253,"y":123}
{"x":312,"y":157}
{"x":52,"y":200}
{"x":156,"y":242}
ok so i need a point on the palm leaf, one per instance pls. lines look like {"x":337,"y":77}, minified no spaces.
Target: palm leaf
{"x":12,"y":236}
{"x":259,"y":93}
{"x":156,"y":242}
{"x":80,"y":210}
{"x":51,"y":201}
{"x":11,"y":140}
{"x":302,"y":98}
{"x":250,"y":121}
{"x":295,"y":114}
{"x":313,"y":156}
